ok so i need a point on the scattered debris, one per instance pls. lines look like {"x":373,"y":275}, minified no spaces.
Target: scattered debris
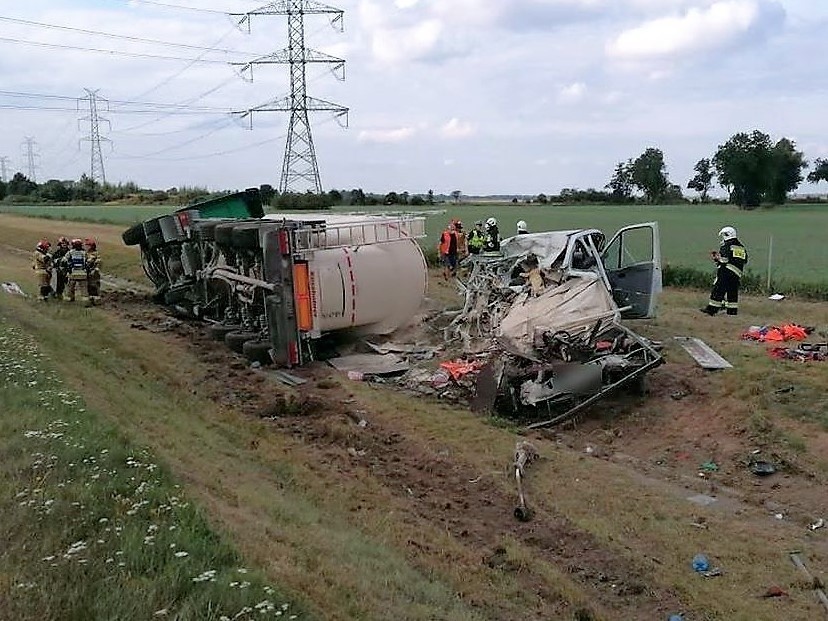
{"x":820,"y":523}
{"x":776,"y":297}
{"x":370,"y":364}
{"x":703,"y":353}
{"x":815,"y":583}
{"x":777,"y":334}
{"x":703,"y":500}
{"x":12,"y":288}
{"x":762,"y":468}
{"x":700,"y":563}
{"x":774,"y":591}
{"x":784,"y":390}
{"x":806,"y":352}
{"x":416,"y":352}
{"x":525,"y":454}
{"x":288,"y":379}
{"x":459,"y":368}
{"x":679,"y":395}
{"x":709,"y":466}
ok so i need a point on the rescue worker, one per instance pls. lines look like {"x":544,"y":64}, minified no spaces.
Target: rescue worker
{"x":42,"y":266}
{"x":75,"y":265}
{"x":57,"y":262}
{"x":730,"y":261}
{"x":492,"y":241}
{"x":522,"y":227}
{"x":476,"y":238}
{"x":448,"y":248}
{"x":462,"y":240}
{"x":93,"y":270}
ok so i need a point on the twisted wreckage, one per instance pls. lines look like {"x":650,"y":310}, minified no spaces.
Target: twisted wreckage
{"x":540,"y":326}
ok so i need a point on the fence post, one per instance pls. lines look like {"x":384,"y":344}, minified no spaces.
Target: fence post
{"x":770,"y":263}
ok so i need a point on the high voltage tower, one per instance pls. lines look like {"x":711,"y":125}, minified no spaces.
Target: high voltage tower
{"x":299,"y":165}
{"x":96,"y":168}
{"x":3,"y":173}
{"x":31,"y":156}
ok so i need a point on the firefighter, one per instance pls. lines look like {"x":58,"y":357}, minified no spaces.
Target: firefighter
{"x":477,"y":237}
{"x":449,"y":247}
{"x":462,"y":240}
{"x":730,"y":261}
{"x":75,"y":265}
{"x":42,"y":266}
{"x":522,"y":227}
{"x":57,"y":262}
{"x":492,"y":241}
{"x":93,"y":270}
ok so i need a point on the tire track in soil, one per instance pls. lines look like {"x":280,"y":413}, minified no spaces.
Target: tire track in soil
{"x":435,"y":488}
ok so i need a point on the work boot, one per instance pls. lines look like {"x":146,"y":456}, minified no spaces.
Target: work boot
{"x":709,"y":310}
{"x":732,"y":311}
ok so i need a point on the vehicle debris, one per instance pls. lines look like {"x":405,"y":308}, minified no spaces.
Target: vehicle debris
{"x":525,"y":454}
{"x":543,"y":319}
{"x":274,"y":285}
{"x":762,"y":468}
{"x":702,"y":353}
{"x":367,"y":365}
{"x":820,"y":523}
{"x":813,"y":582}
{"x":12,"y":288}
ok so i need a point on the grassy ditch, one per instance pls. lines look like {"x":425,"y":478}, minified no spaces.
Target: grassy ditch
{"x":93,"y":527}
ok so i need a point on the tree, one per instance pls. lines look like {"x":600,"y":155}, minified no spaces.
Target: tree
{"x":621,"y":184}
{"x":703,"y":181}
{"x":418,"y":201}
{"x":20,"y":185}
{"x":673,"y":194}
{"x":787,"y":165}
{"x":430,"y":199}
{"x":743,"y":166}
{"x":335,"y":197}
{"x":86,"y":189}
{"x":357,"y":197}
{"x":3,"y":189}
{"x":820,"y":171}
{"x":392,"y":198}
{"x":542,"y":198}
{"x":649,"y":174}
{"x":54,"y":190}
{"x":455,"y":195}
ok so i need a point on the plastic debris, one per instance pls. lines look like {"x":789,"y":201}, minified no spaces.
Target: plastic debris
{"x":12,"y":288}
{"x":820,"y":523}
{"x":762,"y":468}
{"x":777,"y":334}
{"x":776,"y":297}
{"x":709,"y":466}
{"x":700,"y":563}
{"x":775,"y":591}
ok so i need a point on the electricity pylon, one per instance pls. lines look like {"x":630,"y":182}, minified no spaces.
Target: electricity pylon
{"x":96,"y":167}
{"x":30,"y":146}
{"x":3,"y":174}
{"x":299,"y":165}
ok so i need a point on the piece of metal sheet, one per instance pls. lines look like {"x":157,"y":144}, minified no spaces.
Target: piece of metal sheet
{"x":370,"y":364}
{"x":702,"y":353}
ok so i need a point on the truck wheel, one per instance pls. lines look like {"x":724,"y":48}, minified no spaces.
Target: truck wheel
{"x":134,"y":235}
{"x":258,"y":351}
{"x":219,"y":330}
{"x":236,"y":340}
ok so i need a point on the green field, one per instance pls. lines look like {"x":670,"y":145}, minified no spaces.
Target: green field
{"x":688,"y":233}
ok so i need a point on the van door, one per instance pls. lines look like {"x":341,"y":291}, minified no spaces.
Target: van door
{"x":632,"y":260}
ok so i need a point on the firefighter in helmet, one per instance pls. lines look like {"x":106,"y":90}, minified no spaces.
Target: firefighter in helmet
{"x":42,"y":266}
{"x":491,"y":243}
{"x":522,"y":227}
{"x":57,"y":261}
{"x":75,"y":265}
{"x":93,"y":270}
{"x":730,"y":261}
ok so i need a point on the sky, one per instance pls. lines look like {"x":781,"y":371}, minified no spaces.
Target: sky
{"x":481,"y":96}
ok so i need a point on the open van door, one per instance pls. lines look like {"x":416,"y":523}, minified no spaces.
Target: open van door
{"x":632,"y":260}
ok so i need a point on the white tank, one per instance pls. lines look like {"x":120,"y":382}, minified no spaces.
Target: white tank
{"x":366,"y":272}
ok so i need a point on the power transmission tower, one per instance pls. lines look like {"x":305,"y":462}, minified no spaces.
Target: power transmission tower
{"x":299,"y":166}
{"x":31,"y":156}
{"x":3,"y":176}
{"x":96,"y":168}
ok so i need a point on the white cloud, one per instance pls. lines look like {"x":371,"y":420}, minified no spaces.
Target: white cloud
{"x":572,"y":93}
{"x":400,"y":134}
{"x":456,"y":128}
{"x":395,"y":45}
{"x":707,"y":29}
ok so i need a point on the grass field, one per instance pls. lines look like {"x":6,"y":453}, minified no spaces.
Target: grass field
{"x":688,"y":233}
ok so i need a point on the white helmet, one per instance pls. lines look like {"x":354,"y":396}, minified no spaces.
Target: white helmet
{"x":727,"y":232}
{"x":522,"y":227}
{"x":491,"y":222}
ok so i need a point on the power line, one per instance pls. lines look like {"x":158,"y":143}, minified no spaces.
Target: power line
{"x":116,"y":102}
{"x":96,"y":170}
{"x":66,"y":109}
{"x":180,"y":7}
{"x":111,"y":35}
{"x":79,"y":48}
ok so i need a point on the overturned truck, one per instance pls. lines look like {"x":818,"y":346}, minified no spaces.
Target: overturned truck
{"x":545,"y":314}
{"x":273,"y":286}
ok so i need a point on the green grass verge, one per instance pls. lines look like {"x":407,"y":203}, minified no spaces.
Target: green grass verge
{"x":93,"y":528}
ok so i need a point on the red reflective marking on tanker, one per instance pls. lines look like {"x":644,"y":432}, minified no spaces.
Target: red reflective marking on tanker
{"x":353,"y":285}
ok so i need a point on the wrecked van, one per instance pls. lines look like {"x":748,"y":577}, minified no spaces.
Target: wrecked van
{"x":546,"y":313}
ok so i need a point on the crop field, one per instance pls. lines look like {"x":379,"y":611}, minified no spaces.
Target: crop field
{"x":148,"y":472}
{"x":688,"y":233}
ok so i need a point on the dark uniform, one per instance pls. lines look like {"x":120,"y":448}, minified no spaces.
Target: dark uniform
{"x":75,"y":265}
{"x":491,"y":243}
{"x":60,"y":271}
{"x":731,"y":261}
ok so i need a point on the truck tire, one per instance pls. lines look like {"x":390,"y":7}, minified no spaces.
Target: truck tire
{"x":219,"y":330}
{"x":154,"y":240}
{"x":258,"y":351}
{"x":152,"y":226}
{"x":134,"y":235}
{"x":223,"y":234}
{"x":246,"y":237}
{"x":236,"y":340}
